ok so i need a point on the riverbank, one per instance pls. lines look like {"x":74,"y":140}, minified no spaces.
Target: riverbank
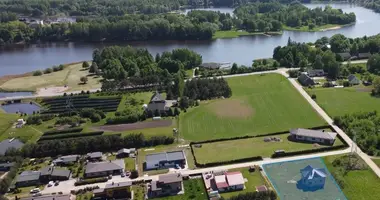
{"x":326,"y":27}
{"x":235,"y":34}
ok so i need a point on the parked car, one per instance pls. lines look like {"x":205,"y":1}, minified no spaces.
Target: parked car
{"x":37,"y":194}
{"x":35,"y":190}
{"x":56,"y":183}
{"x":51,"y":183}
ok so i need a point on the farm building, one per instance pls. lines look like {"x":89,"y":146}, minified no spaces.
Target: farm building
{"x":167,"y":184}
{"x":353,"y":79}
{"x":164,"y":160}
{"x":312,"y":179}
{"x":305,"y":80}
{"x":6,"y":166}
{"x":315,"y":136}
{"x":100,"y":169}
{"x":8,"y":144}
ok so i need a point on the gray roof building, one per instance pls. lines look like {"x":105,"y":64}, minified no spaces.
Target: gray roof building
{"x":313,"y":133}
{"x":128,"y":151}
{"x":66,"y":159}
{"x":105,"y":166}
{"x":61,"y":173}
{"x":315,"y":72}
{"x":353,"y":79}
{"x":28,"y":176}
{"x":95,"y":155}
{"x":159,"y":160}
{"x":53,"y":197}
{"x":344,"y":55}
{"x":156,"y":97}
{"x":364,"y":55}
{"x":305,"y":80}
{"x":7,"y":144}
{"x":6,"y":165}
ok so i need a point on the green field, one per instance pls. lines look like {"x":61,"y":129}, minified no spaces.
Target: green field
{"x":259,"y":104}
{"x":235,"y":34}
{"x":194,"y":190}
{"x":341,"y":101}
{"x":251,"y":147}
{"x":359,"y":184}
{"x":377,"y":162}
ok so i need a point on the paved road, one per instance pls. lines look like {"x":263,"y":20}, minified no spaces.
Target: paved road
{"x":355,"y":61}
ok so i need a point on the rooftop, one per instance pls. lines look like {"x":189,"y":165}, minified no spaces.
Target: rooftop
{"x":132,"y":150}
{"x":221,"y":181}
{"x":156,"y":97}
{"x":28,"y":176}
{"x":116,"y":185}
{"x":8,"y":144}
{"x":234,"y":178}
{"x":61,"y":172}
{"x":105,"y":166}
{"x":261,"y":188}
{"x":309,"y":172}
{"x":95,"y":154}
{"x":170,"y":178}
{"x":165,"y":156}
{"x":313,"y":133}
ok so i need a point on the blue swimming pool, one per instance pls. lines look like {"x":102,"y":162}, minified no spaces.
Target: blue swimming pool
{"x":21,"y":108}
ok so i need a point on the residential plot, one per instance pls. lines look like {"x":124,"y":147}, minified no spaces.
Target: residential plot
{"x":251,"y":147}
{"x":341,"y":101}
{"x":259,"y":104}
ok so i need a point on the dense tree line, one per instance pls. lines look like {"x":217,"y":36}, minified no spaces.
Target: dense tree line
{"x":364,"y":128}
{"x":7,"y":180}
{"x":204,"y":89}
{"x":89,"y":144}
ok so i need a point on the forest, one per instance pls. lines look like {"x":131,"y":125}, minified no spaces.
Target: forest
{"x":196,"y":25}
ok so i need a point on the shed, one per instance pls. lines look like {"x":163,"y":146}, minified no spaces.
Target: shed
{"x":353,"y":79}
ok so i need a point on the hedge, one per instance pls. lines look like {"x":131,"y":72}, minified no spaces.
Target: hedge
{"x":309,"y":151}
{"x":91,"y":181}
{"x":71,"y":135}
{"x":70,"y":130}
{"x":242,"y":160}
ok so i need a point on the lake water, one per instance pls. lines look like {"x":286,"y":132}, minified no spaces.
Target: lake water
{"x":21,"y":108}
{"x":14,"y":94}
{"x":241,"y":50}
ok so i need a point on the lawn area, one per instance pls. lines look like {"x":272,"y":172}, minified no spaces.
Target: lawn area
{"x":251,"y":147}
{"x":235,"y":34}
{"x":253,"y":179}
{"x":24,"y":192}
{"x":6,"y":121}
{"x":85,"y":196}
{"x":69,"y":76}
{"x":194,"y":190}
{"x":377,"y":162}
{"x":259,"y":104}
{"x":138,"y":192}
{"x":359,"y":184}
{"x":316,"y":28}
{"x":341,"y":101}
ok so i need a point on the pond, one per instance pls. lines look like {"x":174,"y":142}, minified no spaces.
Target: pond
{"x":27,"y":108}
{"x":242,"y":50}
{"x":15,"y":94}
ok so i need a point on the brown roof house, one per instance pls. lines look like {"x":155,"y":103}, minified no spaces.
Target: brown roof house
{"x":99,"y":169}
{"x":167,"y":184}
{"x":313,"y":136}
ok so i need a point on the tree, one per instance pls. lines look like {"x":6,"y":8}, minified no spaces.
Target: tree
{"x":234,"y":68}
{"x":84,"y":79}
{"x":93,"y":68}
{"x":318,"y":64}
{"x":134,"y":174}
{"x":373,"y":64}
{"x":176,"y":111}
{"x":376,"y":86}
{"x":85,"y":65}
{"x":184,"y":102}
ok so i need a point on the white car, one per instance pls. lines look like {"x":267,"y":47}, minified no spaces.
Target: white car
{"x":51,"y":183}
{"x":35,"y":190}
{"x":37,"y":194}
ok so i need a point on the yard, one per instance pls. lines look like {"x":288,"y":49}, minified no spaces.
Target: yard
{"x":359,"y":184}
{"x":194,"y":190}
{"x":341,"y":101}
{"x":259,"y":104}
{"x":251,"y":147}
{"x":69,"y":76}
{"x":253,"y":179}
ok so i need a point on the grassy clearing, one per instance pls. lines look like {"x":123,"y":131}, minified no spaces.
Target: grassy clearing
{"x":359,"y":184}
{"x":315,"y":29}
{"x":194,"y":190}
{"x":341,"y":101}
{"x":69,"y":76}
{"x":235,"y":34}
{"x":254,"y":179}
{"x":266,"y":103}
{"x":245,"y":148}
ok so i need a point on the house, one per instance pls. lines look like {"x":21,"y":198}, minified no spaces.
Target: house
{"x":6,"y":166}
{"x":66,"y":160}
{"x":49,"y":197}
{"x":229,"y":181}
{"x":46,"y":173}
{"x":165,"y":160}
{"x":312,"y":179}
{"x":305,"y":80}
{"x":157,"y":102}
{"x":123,"y":153}
{"x":345,"y":55}
{"x":28,"y":178}
{"x":353,"y":80}
{"x":8,"y":144}
{"x":94,"y":156}
{"x":167,"y":184}
{"x":99,"y":169}
{"x":315,"y":72}
{"x":120,"y":190}
{"x":211,"y":65}
{"x":314,"y":136}
{"x":364,"y":55}
{"x":261,"y":188}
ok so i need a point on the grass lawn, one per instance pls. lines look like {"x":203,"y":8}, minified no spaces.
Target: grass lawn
{"x":194,"y":190}
{"x":235,"y":34}
{"x":25,"y":192}
{"x":254,"y":179}
{"x":341,"y":101}
{"x":259,"y":104}
{"x":6,"y":121}
{"x":69,"y":76}
{"x":138,"y":192}
{"x":85,"y":196}
{"x":245,"y":148}
{"x":316,"y":28}
{"x":377,"y":162}
{"x":359,"y":184}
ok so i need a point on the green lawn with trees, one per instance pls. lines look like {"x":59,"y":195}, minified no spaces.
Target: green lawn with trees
{"x":259,"y":104}
{"x":194,"y":190}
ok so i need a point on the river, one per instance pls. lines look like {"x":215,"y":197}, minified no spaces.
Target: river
{"x":241,"y":50}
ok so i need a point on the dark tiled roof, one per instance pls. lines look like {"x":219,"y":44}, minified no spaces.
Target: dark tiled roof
{"x":61,"y":172}
{"x":305,"y":80}
{"x":352,"y":77}
{"x":28,"y":176}
{"x":166,"y":156}
{"x":170,"y":178}
{"x":3,"y":165}
{"x":105,"y":166}
{"x":95,"y":155}
{"x":156,"y":97}
{"x":8,"y":144}
{"x":46,"y":171}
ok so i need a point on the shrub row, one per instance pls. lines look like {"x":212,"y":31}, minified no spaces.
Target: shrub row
{"x":309,"y":151}
{"x":70,"y":135}
{"x":89,"y":105}
{"x":38,"y":119}
{"x":77,"y":99}
{"x":242,"y":160}
{"x":83,"y":101}
{"x":91,"y":181}
{"x":70,"y":130}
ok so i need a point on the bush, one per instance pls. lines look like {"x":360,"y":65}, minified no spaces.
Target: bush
{"x":55,"y":68}
{"x":70,"y":130}
{"x":95,"y":118}
{"x":346,"y":84}
{"x":91,"y":181}
{"x":48,"y":71}
{"x":70,"y":135}
{"x":313,"y":96}
{"x":294,"y":73}
{"x":61,"y":67}
{"x":37,"y":73}
{"x":38,"y":119}
{"x":134,"y":174}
